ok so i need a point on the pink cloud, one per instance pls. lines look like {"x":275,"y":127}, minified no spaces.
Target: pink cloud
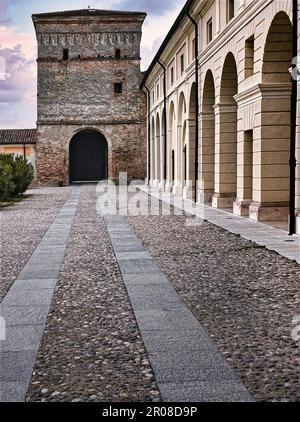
{"x":18,"y":87}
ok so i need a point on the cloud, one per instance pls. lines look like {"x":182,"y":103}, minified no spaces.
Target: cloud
{"x":154,"y":7}
{"x":148,"y":53}
{"x":18,"y":84}
{"x":4,"y":4}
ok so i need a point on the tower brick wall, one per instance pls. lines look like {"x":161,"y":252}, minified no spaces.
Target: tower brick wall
{"x":78,"y":67}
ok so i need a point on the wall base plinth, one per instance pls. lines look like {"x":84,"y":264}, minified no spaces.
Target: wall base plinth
{"x":268,"y":212}
{"x":223,"y":200}
{"x":298,"y":222}
{"x":241,"y":207}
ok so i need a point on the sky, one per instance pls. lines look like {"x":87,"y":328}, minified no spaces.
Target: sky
{"x":18,"y":50}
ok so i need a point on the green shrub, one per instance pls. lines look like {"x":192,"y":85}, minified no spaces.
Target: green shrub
{"x":16,"y":174}
{"x":7,"y":185}
{"x":23,"y":175}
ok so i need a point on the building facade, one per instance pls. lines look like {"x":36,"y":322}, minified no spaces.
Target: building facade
{"x":224,"y":123}
{"x":20,"y":142}
{"x":91,"y":110}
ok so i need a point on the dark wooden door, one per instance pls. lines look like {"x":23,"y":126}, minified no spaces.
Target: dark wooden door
{"x":88,"y":157}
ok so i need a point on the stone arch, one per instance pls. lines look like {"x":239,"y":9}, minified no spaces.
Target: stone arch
{"x":171,"y":144}
{"x":152,"y":149}
{"x":278,"y":50}
{"x":207,"y":158}
{"x":88,"y":156}
{"x":226,"y":137}
{"x":191,"y":148}
{"x":179,"y":151}
{"x":271,"y":141}
{"x":158,"y":149}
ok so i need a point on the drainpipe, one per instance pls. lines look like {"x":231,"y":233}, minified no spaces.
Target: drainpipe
{"x":293,"y":161}
{"x":165,"y":120}
{"x":149,"y":134}
{"x":196,"y":99}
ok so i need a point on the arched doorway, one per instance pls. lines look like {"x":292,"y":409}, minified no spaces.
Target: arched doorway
{"x":226,"y":137}
{"x":158,"y":152}
{"x":207,"y":157}
{"x":152,"y":149}
{"x":180,"y":156}
{"x":88,"y":157}
{"x":271,"y":144}
{"x":191,"y":149}
{"x":171,"y":146}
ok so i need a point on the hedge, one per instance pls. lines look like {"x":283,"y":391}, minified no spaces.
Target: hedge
{"x":16,"y":174}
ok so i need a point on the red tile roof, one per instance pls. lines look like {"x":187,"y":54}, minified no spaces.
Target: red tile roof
{"x":18,"y":136}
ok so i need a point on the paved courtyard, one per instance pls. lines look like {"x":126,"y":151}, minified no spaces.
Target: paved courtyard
{"x":141,"y":308}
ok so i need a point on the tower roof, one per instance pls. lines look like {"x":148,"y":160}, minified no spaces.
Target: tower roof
{"x":88,"y":12}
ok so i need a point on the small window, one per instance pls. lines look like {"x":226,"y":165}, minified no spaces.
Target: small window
{"x":118,"y":88}
{"x":182,"y":63}
{"x":172,"y":75}
{"x":66,"y":54}
{"x":230,"y":10}
{"x":209,"y":31}
{"x":249,"y":57}
{"x":118,"y":54}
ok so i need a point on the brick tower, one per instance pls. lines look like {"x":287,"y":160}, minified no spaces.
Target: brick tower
{"x":91,"y":111}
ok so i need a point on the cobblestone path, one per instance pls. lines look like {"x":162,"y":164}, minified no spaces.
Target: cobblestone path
{"x":91,"y":349}
{"x":244,"y":295}
{"x":22,"y":226}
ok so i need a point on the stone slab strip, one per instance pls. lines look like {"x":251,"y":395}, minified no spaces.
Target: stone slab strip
{"x":271,"y":238}
{"x":26,"y":305}
{"x":187,"y":364}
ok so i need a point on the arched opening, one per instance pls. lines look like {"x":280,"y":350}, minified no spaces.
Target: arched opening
{"x":179,"y":172}
{"x":278,"y":51}
{"x":272,"y":143}
{"x":163,"y":146}
{"x":171,"y":145}
{"x":191,"y":147}
{"x":88,"y":157}
{"x":226,"y":137}
{"x":152,"y":155}
{"x":158,"y":151}
{"x":207,"y":160}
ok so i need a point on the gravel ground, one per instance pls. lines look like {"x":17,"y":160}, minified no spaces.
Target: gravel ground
{"x":91,"y":349}
{"x":244,"y":295}
{"x":22,"y":226}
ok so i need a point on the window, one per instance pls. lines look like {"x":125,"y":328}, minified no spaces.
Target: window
{"x":230,"y":10}
{"x":118,"y":54}
{"x":118,"y":88}
{"x":194,"y":49}
{"x":153,"y":97}
{"x":66,"y":54}
{"x":157,"y":91}
{"x":172,"y":75}
{"x":209,"y":31}
{"x":249,"y":57}
{"x":182,"y":63}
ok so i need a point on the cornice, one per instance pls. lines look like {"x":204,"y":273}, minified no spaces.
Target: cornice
{"x":265,"y":90}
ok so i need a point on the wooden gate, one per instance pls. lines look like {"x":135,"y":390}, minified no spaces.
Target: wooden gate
{"x":88,"y":157}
